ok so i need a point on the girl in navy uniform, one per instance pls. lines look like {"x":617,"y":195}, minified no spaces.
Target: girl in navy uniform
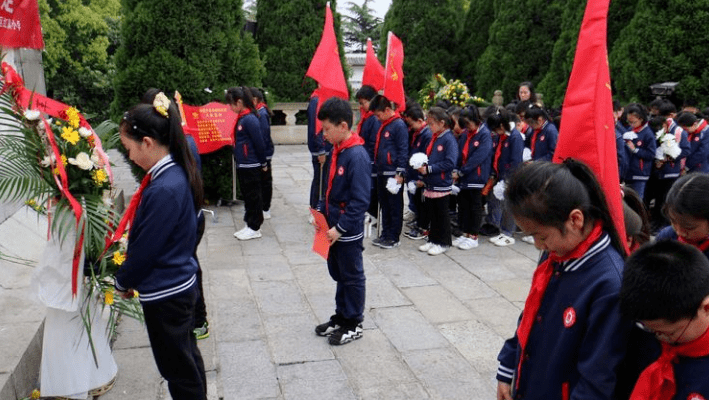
{"x":420,"y":137}
{"x":571,"y":338}
{"x":442,"y":152}
{"x":476,"y":156}
{"x":542,"y":142}
{"x":344,"y":206}
{"x":640,"y":147}
{"x":160,"y":264}
{"x":698,"y":136}
{"x":250,"y":156}
{"x":264,"y":119}
{"x":687,"y":209}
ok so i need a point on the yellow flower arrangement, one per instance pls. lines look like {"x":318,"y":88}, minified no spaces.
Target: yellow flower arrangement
{"x":70,"y":135}
{"x":108,"y":297}
{"x":99,"y":176}
{"x":72,"y":116}
{"x":118,"y":258}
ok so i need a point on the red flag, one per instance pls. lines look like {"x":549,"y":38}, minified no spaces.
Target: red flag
{"x":19,"y":24}
{"x":326,"y":67}
{"x":587,"y":129}
{"x":394,"y":73}
{"x":373,"y":74}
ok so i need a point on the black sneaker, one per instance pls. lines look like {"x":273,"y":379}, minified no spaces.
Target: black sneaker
{"x":388,"y":244}
{"x":378,"y":241}
{"x":345,"y":335}
{"x":416,"y":234}
{"x":489,"y":230}
{"x":329,"y":327}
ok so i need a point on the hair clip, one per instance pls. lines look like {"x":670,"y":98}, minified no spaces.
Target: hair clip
{"x":161,"y":103}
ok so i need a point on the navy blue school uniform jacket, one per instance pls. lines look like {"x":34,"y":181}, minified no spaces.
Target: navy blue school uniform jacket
{"x":476,"y":170}
{"x":672,"y":169}
{"x":578,"y":339}
{"x":441,"y":162}
{"x":249,"y":147}
{"x":692,"y":378}
{"x":668,"y":233}
{"x":511,"y":155}
{"x":316,"y":140}
{"x":160,"y":262}
{"x":698,"y":158}
{"x":392,"y":156}
{"x":348,"y":198}
{"x":265,"y":123}
{"x":419,"y":142}
{"x":622,"y":155}
{"x":544,"y":142}
{"x":369,"y":130}
{"x":640,"y":160}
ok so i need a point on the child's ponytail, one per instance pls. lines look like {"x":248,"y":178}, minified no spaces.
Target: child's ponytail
{"x":688,"y":196}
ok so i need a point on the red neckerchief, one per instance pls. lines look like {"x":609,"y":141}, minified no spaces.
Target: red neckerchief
{"x":466,"y":147}
{"x":523,"y":126}
{"x":353,"y":140}
{"x":433,"y":139}
{"x":498,"y":152}
{"x":129,"y":215}
{"x":534,"y":137}
{"x":697,"y":131}
{"x":362,"y":117}
{"x":243,"y":112}
{"x":639,"y":128}
{"x":657,"y":381}
{"x":381,"y":129}
{"x":702,"y":244}
{"x":417,"y":133}
{"x":542,"y":276}
{"x":260,"y":105}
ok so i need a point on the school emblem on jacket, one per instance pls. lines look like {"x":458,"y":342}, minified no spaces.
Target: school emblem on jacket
{"x":696,"y":138}
{"x":569,"y":317}
{"x":695,"y":396}
{"x":640,"y":143}
{"x":440,"y":147}
{"x":541,"y":139}
{"x":476,"y":143}
{"x":341,"y":170}
{"x":240,"y":127}
{"x":386,"y":134}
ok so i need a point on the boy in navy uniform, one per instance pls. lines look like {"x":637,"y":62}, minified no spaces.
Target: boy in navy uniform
{"x":666,"y":289}
{"x":344,"y":205}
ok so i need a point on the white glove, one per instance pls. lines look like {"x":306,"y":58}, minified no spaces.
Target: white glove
{"x":630,"y":135}
{"x":455,"y":189}
{"x":499,"y":190}
{"x":526,"y":154}
{"x":393,"y":186}
{"x":411,"y":186}
{"x":418,"y":160}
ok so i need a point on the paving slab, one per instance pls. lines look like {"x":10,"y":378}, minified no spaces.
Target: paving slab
{"x":323,"y":380}
{"x":247,"y":371}
{"x":407,"y":329}
{"x":437,"y":304}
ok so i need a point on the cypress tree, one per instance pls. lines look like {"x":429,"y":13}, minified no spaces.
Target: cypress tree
{"x":554,"y":83}
{"x":288,"y":34}
{"x":474,"y":35}
{"x":427,"y":28}
{"x":185,"y":46}
{"x":664,"y":41}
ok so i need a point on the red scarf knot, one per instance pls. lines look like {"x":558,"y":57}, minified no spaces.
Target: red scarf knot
{"x":466,"y":147}
{"x":381,"y":129}
{"x":353,"y":140}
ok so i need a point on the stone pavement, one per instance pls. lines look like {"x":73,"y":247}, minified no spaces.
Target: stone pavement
{"x":432,"y":328}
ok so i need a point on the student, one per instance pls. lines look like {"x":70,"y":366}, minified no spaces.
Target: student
{"x":475,"y":161}
{"x":687,"y":209}
{"x":160,"y":263}
{"x":544,"y":134}
{"x":319,"y":150}
{"x":420,"y":138}
{"x":698,"y":136}
{"x":640,"y":148}
{"x":391,"y":152}
{"x":620,"y":129}
{"x":264,"y":119}
{"x":344,"y":205}
{"x":367,"y":129}
{"x":442,"y":152}
{"x":570,"y":337}
{"x":250,"y":157}
{"x":666,"y":290}
{"x":507,"y":157}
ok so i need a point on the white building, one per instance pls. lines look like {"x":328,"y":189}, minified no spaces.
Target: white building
{"x":355,"y":61}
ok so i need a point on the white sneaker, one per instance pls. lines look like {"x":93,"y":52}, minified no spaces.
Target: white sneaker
{"x":505,"y":241}
{"x":457,"y":241}
{"x":426,"y":246}
{"x":249,"y":234}
{"x":267,"y":215}
{"x":528,"y":239}
{"x":494,"y":239}
{"x":468,"y":243}
{"x":239,"y":232}
{"x":437,"y":249}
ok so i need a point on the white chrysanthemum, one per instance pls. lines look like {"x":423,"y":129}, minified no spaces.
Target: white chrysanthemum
{"x":32,"y":115}
{"x":47,"y":161}
{"x":84,"y":133}
{"x":82,"y":161}
{"x":418,"y":160}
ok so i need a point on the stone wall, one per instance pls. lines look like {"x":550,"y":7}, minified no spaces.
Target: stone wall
{"x":291,"y":132}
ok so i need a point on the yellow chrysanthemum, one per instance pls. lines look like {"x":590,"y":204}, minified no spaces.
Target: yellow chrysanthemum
{"x":99,"y":176}
{"x":118,"y":257}
{"x":70,"y":135}
{"x":72,"y":116}
{"x":64,"y":159}
{"x":108,"y":297}
{"x":35,"y":394}
{"x":135,"y":294}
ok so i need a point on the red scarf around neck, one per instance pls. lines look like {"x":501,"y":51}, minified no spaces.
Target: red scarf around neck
{"x":417,"y":133}
{"x":702,"y":244}
{"x":363,"y":117}
{"x":352,"y":141}
{"x":534,"y":137}
{"x":129,"y":214}
{"x":639,"y":128}
{"x":498,"y":153}
{"x":700,"y":128}
{"x":540,"y":281}
{"x":466,"y":147}
{"x":433,"y":139}
{"x":657,"y":381}
{"x":381,"y":129}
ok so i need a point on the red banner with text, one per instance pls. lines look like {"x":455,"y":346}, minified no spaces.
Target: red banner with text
{"x":19,"y":24}
{"x":211,"y":126}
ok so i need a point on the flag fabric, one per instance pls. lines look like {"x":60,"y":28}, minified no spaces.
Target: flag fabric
{"x":394,"y":72}
{"x":373,"y":74}
{"x":325,"y":67}
{"x":587,"y":130}
{"x":19,"y":24}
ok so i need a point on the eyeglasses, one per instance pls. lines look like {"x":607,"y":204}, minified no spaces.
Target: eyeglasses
{"x":666,"y":336}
